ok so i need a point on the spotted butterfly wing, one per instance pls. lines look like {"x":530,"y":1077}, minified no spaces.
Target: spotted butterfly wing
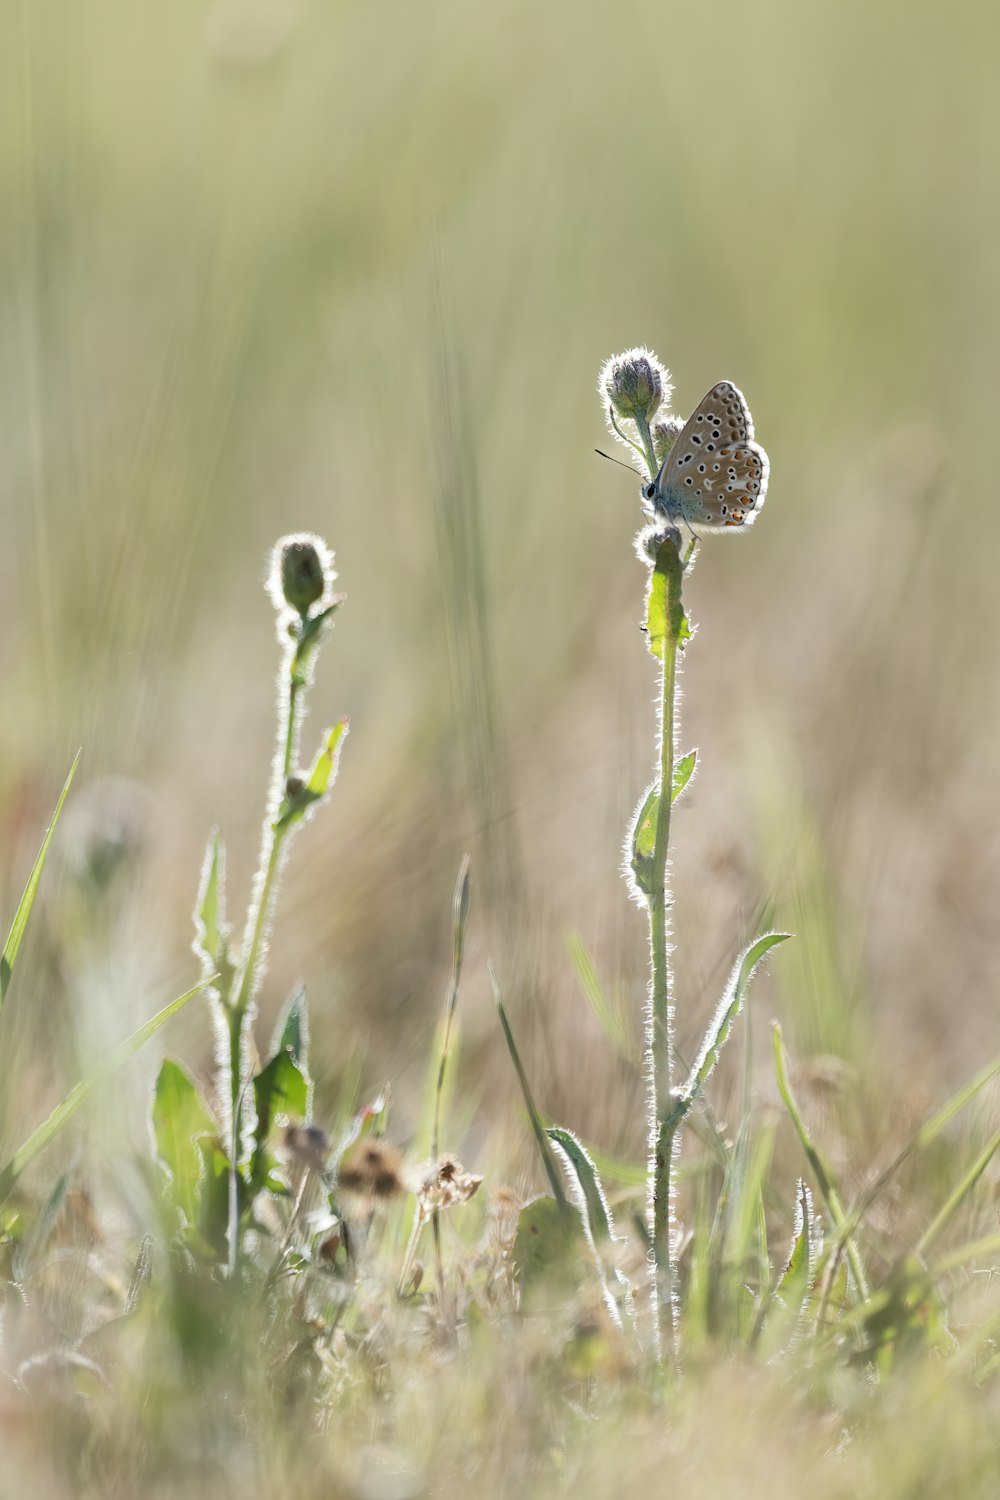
{"x":715,"y":475}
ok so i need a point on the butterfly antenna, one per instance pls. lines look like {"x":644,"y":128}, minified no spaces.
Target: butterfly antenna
{"x":612,"y":460}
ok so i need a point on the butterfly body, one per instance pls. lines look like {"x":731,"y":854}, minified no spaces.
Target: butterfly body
{"x":714,"y":477}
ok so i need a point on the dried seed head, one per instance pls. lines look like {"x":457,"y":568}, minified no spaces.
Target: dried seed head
{"x":446,"y":1182}
{"x":307,"y":1144}
{"x":372,"y":1170}
{"x":634,"y":384}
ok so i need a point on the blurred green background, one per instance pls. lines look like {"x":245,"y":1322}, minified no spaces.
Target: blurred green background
{"x":268,"y":265}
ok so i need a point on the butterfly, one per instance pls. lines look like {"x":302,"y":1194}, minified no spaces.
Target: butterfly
{"x":715,"y":476}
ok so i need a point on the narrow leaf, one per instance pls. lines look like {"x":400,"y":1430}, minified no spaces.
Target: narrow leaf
{"x":644,"y":840}
{"x":65,"y":1111}
{"x":800,"y":1268}
{"x":211,"y":933}
{"x":324,"y":768}
{"x":583,"y":1175}
{"x":319,"y":779}
{"x":947,"y":1213}
{"x":292,"y":1031}
{"x":16,"y":934}
{"x":722,"y":1022}
{"x":683,"y":771}
{"x":588,"y":1194}
{"x":544,"y":1148}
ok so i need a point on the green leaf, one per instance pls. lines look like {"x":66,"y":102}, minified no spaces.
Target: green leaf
{"x":20,"y":923}
{"x":180,"y":1119}
{"x":211,"y":1242}
{"x":318,"y":780}
{"x":77,"y":1096}
{"x":799,"y":1271}
{"x":644,"y":841}
{"x":281,"y":1087}
{"x":683,"y":771}
{"x":715,"y":1039}
{"x":666,"y":622}
{"x":587,"y":1192}
{"x":725,"y":1016}
{"x":292,"y":1032}
{"x":585,"y":1184}
{"x":323,"y":772}
{"x":785,"y":1310}
{"x":547,"y":1246}
{"x":644,"y":826}
{"x":211,"y":941}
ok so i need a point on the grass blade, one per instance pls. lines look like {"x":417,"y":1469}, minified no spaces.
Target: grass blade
{"x":822,"y":1173}
{"x":927,"y":1133}
{"x":610,"y":1022}
{"x":20,"y":923}
{"x":948,"y":1211}
{"x":536,"y":1124}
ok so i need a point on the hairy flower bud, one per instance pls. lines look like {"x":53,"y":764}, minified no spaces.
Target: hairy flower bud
{"x":303,"y":575}
{"x":665,"y":434}
{"x":634,"y":384}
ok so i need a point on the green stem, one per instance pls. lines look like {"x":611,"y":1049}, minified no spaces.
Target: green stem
{"x":660,"y":1022}
{"x":646,"y":438}
{"x":275,"y":834}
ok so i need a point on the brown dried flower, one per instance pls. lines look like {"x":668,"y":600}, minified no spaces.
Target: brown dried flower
{"x":445,"y":1183}
{"x":373,"y":1170}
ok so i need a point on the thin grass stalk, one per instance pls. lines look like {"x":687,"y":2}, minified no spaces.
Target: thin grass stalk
{"x":460,"y":914}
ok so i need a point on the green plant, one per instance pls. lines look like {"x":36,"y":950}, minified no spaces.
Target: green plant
{"x":217,"y":1172}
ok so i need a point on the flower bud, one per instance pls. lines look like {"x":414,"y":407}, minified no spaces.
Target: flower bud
{"x":302,"y":580}
{"x":301,"y":573}
{"x":650,"y":539}
{"x":665,"y":434}
{"x":634,"y":383}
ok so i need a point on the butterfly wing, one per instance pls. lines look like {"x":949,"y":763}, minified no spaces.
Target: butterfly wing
{"x":715,"y":475}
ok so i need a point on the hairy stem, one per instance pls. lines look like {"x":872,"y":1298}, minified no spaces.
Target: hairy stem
{"x":265,"y":885}
{"x":668,"y":575}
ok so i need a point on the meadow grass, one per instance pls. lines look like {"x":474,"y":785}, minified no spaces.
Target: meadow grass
{"x":266,"y":265}
{"x":274,"y":1290}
